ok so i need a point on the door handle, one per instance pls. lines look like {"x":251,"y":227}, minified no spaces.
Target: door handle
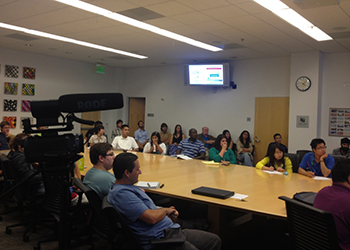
{"x":257,"y":140}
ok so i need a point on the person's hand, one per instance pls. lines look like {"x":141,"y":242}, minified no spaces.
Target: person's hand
{"x":224,"y":147}
{"x":279,"y":169}
{"x":226,"y":163}
{"x":271,"y":168}
{"x":141,"y":146}
{"x":323,"y":157}
{"x":172,"y":213}
{"x":310,"y":174}
{"x":210,"y":141}
{"x":155,"y":142}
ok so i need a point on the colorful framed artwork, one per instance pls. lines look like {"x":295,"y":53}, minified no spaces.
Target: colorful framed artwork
{"x":11,"y":88}
{"x":26,"y":106}
{"x":12,"y":120}
{"x":10,"y":105}
{"x":29,"y":73}
{"x":339,"y":122}
{"x":11,"y":71}
{"x":28,"y":89}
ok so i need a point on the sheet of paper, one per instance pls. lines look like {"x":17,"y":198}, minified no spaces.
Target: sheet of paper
{"x":321,"y":178}
{"x":148,"y":184}
{"x":184,"y":157}
{"x":272,"y":172}
{"x":210,"y":162}
{"x":239,"y":196}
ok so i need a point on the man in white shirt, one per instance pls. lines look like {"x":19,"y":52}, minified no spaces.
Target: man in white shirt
{"x":125,"y":142}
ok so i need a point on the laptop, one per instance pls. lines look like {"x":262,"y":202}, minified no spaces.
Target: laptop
{"x":213,"y":192}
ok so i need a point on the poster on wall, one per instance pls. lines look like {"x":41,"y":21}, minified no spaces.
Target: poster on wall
{"x":12,"y":120}
{"x":11,"y":88}
{"x":26,"y":106}
{"x":10,"y":105}
{"x":11,"y":71}
{"x":339,"y":122}
{"x":29,"y":73}
{"x":28,"y":89}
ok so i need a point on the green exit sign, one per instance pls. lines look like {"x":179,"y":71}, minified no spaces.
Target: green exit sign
{"x":100,"y":69}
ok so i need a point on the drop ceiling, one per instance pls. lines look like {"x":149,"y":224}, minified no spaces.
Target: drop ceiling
{"x":242,"y":28}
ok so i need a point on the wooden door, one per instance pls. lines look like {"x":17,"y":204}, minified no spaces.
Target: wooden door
{"x":91,"y":116}
{"x":271,"y":117}
{"x":136,"y":113}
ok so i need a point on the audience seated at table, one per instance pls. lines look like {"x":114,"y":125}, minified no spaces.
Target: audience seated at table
{"x":141,"y":136}
{"x":278,"y":140}
{"x":317,"y":162}
{"x":175,"y":140}
{"x":165,"y":136}
{"x":335,"y":199}
{"x":92,"y":131}
{"x":125,"y":142}
{"x":245,"y":149}
{"x":98,"y":178}
{"x":344,"y":148}
{"x":275,"y":160}
{"x":229,"y":140}
{"x":155,"y":146}
{"x":221,"y":153}
{"x":99,"y":137}
{"x":192,"y":147}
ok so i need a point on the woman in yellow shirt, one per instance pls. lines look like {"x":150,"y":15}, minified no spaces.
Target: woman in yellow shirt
{"x":275,"y":160}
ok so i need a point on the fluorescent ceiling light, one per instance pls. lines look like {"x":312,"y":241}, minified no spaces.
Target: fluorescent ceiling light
{"x":69,"y":40}
{"x":133,"y":22}
{"x":292,"y":17}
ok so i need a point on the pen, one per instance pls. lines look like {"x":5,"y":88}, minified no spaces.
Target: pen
{"x":148,"y":184}
{"x":310,"y":167}
{"x":161,"y":185}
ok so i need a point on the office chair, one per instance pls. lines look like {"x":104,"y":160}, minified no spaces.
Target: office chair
{"x":25,"y":196}
{"x":129,"y":239}
{"x":99,"y":223}
{"x":309,"y":227}
{"x":301,"y":154}
{"x":294,"y":158}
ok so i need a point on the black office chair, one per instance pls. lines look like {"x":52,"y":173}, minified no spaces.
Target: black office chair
{"x":129,"y":240}
{"x":338,"y":158}
{"x":309,"y":227}
{"x":99,"y":223}
{"x":294,"y":158}
{"x":301,"y":154}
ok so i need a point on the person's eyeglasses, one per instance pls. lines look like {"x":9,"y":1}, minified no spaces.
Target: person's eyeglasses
{"x":322,"y":147}
{"x":110,"y":154}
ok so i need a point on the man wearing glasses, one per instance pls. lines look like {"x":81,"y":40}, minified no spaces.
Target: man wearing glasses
{"x":98,"y":178}
{"x":317,"y":162}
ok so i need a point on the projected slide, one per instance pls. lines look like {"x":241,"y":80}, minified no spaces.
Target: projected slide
{"x":206,"y":74}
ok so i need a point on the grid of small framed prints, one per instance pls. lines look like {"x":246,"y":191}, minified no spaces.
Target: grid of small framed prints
{"x":339,"y":122}
{"x":14,"y":87}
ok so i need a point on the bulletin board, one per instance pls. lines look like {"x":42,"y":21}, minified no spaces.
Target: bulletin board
{"x":339,"y":122}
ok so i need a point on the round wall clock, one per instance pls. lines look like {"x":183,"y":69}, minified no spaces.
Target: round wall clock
{"x":303,"y":83}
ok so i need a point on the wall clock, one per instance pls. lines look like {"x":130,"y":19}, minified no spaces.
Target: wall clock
{"x":303,"y":83}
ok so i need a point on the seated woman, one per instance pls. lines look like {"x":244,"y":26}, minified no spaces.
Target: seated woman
{"x":245,"y":149}
{"x":99,"y":136}
{"x":229,"y":140}
{"x":275,"y":160}
{"x":221,"y":153}
{"x":155,"y":146}
{"x":175,"y":140}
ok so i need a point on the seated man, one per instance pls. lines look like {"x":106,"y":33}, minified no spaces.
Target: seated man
{"x":344,"y":148}
{"x":98,"y":178}
{"x":24,"y":168}
{"x":278,"y":141}
{"x":4,"y":135}
{"x":125,"y":142}
{"x":335,"y":199}
{"x":145,"y":219}
{"x":165,"y":136}
{"x":191,"y":147}
{"x":141,"y":136}
{"x":318,"y":162}
{"x":206,"y":139}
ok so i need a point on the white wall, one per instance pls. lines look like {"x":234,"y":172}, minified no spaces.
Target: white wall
{"x":55,"y":77}
{"x":197,"y":106}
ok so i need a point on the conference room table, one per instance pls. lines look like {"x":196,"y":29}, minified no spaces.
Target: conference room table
{"x":181,"y":176}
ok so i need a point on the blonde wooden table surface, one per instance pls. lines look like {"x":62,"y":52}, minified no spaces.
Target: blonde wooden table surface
{"x":180,"y":177}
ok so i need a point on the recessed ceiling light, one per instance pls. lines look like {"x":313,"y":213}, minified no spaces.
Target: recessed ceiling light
{"x":28,"y":45}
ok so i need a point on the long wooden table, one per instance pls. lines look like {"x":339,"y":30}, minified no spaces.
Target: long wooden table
{"x":180,"y":177}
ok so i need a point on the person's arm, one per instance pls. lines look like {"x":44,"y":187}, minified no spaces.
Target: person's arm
{"x":148,"y":148}
{"x":306,"y":173}
{"x":262,"y":164}
{"x":171,"y":140}
{"x":160,"y":150}
{"x":115,"y":142}
{"x":326,"y":161}
{"x":303,"y":165}
{"x":154,"y":216}
{"x":288,"y":165}
{"x":201,"y":152}
{"x":231,"y":156}
{"x":179,"y":148}
{"x":200,"y":156}
{"x":231,"y":145}
{"x":239,"y":147}
{"x":214,"y":155}
{"x":135,"y":147}
{"x":164,"y":148}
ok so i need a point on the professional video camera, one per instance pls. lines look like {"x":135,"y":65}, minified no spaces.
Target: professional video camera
{"x":54,"y":147}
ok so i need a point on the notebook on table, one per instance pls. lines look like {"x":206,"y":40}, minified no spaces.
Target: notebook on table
{"x":213,"y":192}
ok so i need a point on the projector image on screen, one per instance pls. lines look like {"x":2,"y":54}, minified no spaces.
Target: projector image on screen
{"x":207,"y":74}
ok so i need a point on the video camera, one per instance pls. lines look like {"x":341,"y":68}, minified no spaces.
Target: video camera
{"x":52,"y":147}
